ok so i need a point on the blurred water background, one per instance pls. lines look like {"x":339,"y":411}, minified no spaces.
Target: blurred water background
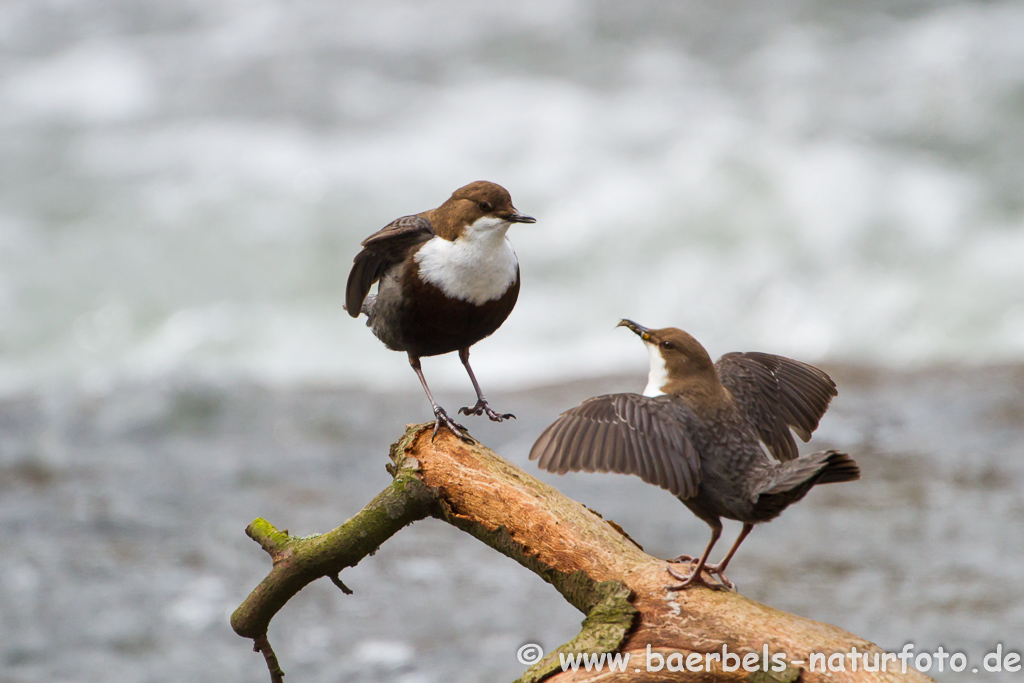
{"x":183,"y":186}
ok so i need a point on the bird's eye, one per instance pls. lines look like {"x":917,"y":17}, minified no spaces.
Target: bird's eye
{"x":667,"y":345}
{"x":485,"y":206}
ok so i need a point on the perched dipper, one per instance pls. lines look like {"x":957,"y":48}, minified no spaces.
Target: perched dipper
{"x":447,"y":278}
{"x":697,"y":431}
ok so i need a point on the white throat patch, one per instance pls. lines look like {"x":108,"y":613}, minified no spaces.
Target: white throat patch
{"x":658,"y":376}
{"x":477,"y":267}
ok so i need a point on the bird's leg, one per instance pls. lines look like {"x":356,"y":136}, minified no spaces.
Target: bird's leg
{"x":440,"y":416}
{"x":481,"y":407}
{"x":719,"y":569}
{"x":695,"y":578}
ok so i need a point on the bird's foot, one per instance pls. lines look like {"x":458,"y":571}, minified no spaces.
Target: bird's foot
{"x":441,"y":419}
{"x":483,"y":408}
{"x":696,"y":578}
{"x":719,"y":572}
{"x":683,"y":558}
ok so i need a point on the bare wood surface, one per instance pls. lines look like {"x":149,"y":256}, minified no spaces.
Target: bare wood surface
{"x":591,"y":562}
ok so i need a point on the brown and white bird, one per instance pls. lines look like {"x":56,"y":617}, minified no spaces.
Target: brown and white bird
{"x":698,"y":431}
{"x":446,"y":278}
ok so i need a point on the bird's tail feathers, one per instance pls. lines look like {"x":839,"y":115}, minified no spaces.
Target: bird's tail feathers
{"x":839,"y":467}
{"x":794,"y":478}
{"x":826,"y":467}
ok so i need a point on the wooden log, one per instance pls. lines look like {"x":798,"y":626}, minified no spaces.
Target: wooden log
{"x":669,"y":636}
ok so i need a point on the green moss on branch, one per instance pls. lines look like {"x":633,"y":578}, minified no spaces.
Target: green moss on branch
{"x":298,"y":561}
{"x":604,"y":629}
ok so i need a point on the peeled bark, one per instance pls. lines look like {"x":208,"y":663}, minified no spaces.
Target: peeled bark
{"x":590,"y":561}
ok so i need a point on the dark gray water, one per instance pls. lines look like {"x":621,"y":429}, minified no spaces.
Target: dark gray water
{"x":125,"y":552}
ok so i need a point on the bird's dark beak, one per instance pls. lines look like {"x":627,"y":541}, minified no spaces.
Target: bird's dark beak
{"x":520,"y":218}
{"x":639,"y":330}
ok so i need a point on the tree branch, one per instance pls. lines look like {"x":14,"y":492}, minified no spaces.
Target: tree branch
{"x":594,"y":565}
{"x":299,"y":561}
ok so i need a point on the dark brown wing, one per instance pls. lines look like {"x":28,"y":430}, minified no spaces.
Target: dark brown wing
{"x":776,"y":394}
{"x":625,"y":433}
{"x":381,"y":250}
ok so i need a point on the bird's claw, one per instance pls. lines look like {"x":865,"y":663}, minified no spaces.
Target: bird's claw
{"x":482,"y":408}
{"x":696,"y":578}
{"x":718,"y":572}
{"x":441,"y":419}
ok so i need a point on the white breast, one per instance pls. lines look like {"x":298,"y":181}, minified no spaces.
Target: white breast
{"x":478,"y":267}
{"x":658,"y":376}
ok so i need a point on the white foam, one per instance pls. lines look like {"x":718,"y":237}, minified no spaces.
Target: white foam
{"x":91,"y":83}
{"x":807,"y":198}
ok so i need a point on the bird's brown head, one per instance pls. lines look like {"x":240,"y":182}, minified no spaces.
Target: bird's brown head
{"x":480,"y":206}
{"x":677,"y":359}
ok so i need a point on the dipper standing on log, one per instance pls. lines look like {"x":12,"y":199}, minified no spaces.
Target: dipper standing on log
{"x":697,"y":431}
{"x":447,"y":278}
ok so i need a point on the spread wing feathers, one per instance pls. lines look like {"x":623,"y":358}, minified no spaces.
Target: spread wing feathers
{"x":381,"y":250}
{"x":624,"y":433}
{"x":776,"y":394}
